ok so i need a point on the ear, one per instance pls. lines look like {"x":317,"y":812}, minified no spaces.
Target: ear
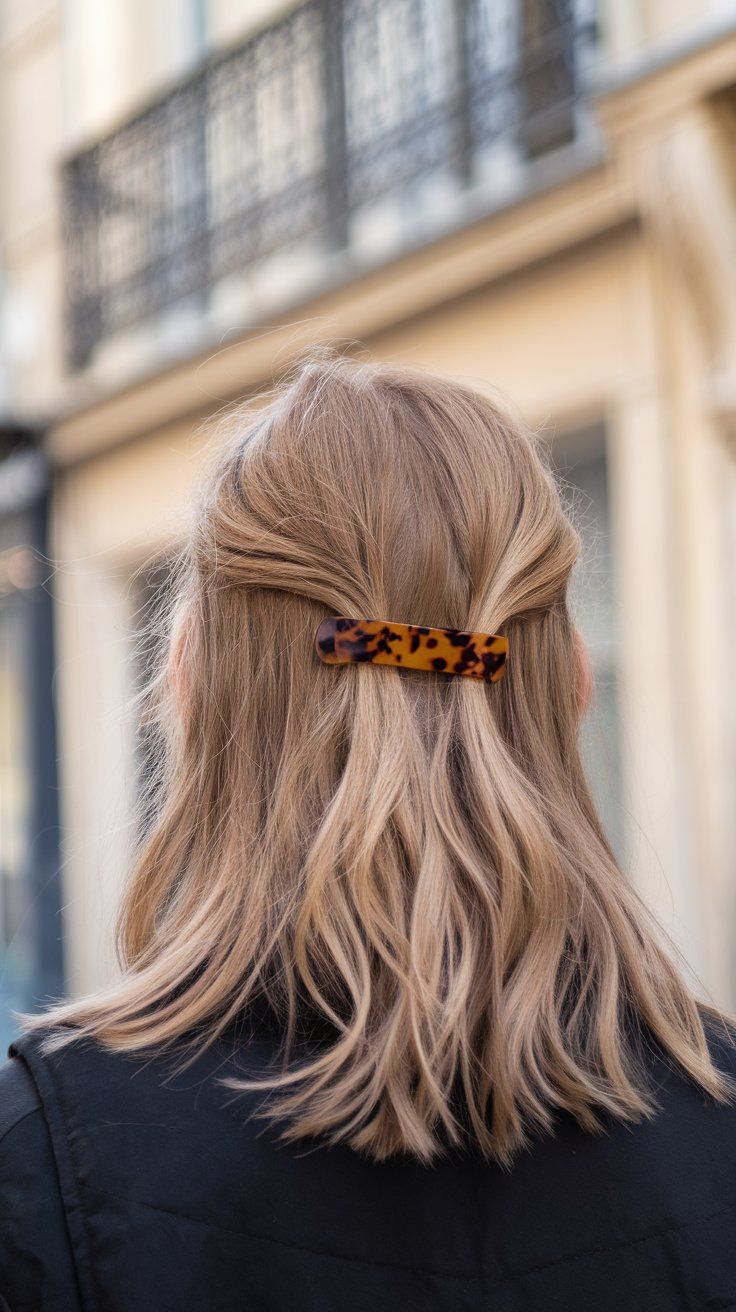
{"x":584,"y":681}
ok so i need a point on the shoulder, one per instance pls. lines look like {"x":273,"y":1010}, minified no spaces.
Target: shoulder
{"x":721,"y":1034}
{"x":682,"y":1107}
{"x":19,"y":1099}
{"x":678,"y":1092}
{"x":73,"y":1072}
{"x":682,"y":1159}
{"x":35,"y":1258}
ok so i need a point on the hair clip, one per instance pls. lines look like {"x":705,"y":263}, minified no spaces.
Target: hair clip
{"x":341,"y":641}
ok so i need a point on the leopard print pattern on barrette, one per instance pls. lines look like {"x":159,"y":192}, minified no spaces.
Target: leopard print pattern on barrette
{"x":340,"y":641}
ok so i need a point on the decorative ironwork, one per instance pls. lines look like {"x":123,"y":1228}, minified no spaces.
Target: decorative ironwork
{"x":290,"y":136}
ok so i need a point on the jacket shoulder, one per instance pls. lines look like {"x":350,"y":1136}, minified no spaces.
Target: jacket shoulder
{"x":721,"y":1036}
{"x":36,"y":1264}
{"x":19,"y":1096}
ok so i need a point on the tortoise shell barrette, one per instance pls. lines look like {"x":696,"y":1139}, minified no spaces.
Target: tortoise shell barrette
{"x":341,"y":641}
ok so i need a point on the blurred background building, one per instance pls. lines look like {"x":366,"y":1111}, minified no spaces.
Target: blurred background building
{"x":540,"y":194}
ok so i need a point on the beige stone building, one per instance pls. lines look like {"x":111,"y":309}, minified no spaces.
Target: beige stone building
{"x":537,"y":194}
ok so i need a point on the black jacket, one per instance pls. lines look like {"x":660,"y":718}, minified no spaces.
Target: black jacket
{"x":125,"y":1187}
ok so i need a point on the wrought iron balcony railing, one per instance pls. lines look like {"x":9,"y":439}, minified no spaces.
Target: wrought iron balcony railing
{"x":296,"y":132}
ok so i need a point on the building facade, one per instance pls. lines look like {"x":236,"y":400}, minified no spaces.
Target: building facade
{"x":536,"y":194}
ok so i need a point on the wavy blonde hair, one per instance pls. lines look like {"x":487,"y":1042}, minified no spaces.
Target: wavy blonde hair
{"x":413,"y":858}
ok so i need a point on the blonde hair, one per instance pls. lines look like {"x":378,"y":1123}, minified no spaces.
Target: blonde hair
{"x":414,"y":859}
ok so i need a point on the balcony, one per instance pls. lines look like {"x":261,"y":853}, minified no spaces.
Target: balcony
{"x":312,"y":138}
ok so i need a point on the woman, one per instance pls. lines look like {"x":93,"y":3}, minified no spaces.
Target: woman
{"x":394,"y":1031}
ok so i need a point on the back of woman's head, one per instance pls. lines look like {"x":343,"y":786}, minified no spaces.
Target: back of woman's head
{"x":412,"y":857}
